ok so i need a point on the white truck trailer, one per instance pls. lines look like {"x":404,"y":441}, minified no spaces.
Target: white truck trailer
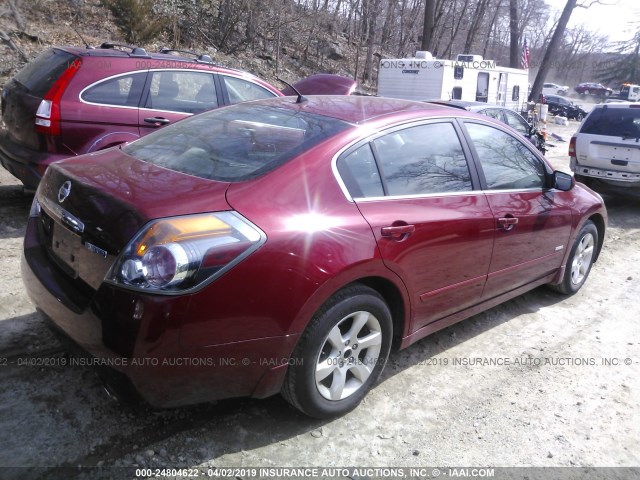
{"x":468,"y":77}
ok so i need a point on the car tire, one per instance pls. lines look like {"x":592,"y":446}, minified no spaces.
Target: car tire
{"x":586,"y":92}
{"x":330,"y":371}
{"x":607,"y":93}
{"x":579,"y":117}
{"x":580,"y":261}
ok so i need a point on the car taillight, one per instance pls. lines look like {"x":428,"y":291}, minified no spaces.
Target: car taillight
{"x":572,"y":147}
{"x":181,"y":254}
{"x":48,"y":113}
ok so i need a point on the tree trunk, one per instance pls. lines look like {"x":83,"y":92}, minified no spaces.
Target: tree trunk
{"x":514,"y":57}
{"x":556,"y":38}
{"x":429,"y":24}
{"x":475,"y":25}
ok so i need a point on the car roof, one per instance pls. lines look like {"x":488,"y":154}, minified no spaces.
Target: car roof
{"x":360,"y":109}
{"x":466,"y":105}
{"x":141,"y":53}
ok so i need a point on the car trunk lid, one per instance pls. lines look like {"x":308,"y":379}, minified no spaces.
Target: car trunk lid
{"x":93,"y":205}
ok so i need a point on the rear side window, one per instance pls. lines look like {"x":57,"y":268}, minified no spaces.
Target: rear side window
{"x":123,"y":91}
{"x":186,"y":92}
{"x":360,"y":173}
{"x":240,"y":90}
{"x":614,"y":122}
{"x":39,"y":75}
{"x":421,"y":160}
{"x":235,"y":143}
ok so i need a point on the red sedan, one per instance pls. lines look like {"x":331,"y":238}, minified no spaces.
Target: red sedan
{"x":286,"y":245}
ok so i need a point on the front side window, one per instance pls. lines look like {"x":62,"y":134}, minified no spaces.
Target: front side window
{"x":517,"y":122}
{"x":122,"y":91}
{"x":425,"y":159}
{"x":240,"y":90}
{"x":493,"y":113}
{"x":506,"y":161}
{"x":186,"y":92}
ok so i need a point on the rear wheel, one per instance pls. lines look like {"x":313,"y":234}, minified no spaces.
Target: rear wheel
{"x":341,"y":353}
{"x":586,"y":92}
{"x":581,"y":258}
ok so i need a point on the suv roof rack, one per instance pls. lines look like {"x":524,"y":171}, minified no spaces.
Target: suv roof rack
{"x":134,"y":50}
{"x":199,"y":57}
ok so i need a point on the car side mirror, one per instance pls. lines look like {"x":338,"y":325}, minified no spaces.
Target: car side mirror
{"x":563,"y":181}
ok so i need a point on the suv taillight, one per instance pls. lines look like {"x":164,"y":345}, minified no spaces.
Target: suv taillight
{"x":48,"y":113}
{"x":572,"y":147}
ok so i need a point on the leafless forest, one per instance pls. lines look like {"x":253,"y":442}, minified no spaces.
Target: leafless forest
{"x":337,"y":36}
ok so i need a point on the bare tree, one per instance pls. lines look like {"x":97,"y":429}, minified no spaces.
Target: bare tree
{"x":554,"y":43}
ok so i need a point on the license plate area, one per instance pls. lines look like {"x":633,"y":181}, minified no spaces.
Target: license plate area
{"x":65,"y":246}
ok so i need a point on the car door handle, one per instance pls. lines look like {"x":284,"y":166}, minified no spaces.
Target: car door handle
{"x":157,"y":121}
{"x":398,"y":231}
{"x":507,"y":223}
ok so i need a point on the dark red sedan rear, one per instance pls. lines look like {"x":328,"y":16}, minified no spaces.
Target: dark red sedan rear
{"x":277,"y":246}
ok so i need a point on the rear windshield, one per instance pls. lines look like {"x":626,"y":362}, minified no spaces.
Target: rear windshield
{"x":235,"y":143}
{"x":39,"y":75}
{"x":614,"y":122}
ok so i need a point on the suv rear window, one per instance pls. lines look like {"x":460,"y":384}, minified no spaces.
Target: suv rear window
{"x":235,"y":143}
{"x":39,"y":75}
{"x":614,"y":122}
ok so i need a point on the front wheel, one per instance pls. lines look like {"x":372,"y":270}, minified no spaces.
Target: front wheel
{"x":581,"y":258}
{"x":587,"y":92}
{"x":340,"y":354}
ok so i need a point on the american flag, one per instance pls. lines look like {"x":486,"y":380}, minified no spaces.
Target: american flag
{"x":524,"y":60}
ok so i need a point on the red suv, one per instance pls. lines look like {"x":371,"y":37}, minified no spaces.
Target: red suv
{"x":70,"y":101}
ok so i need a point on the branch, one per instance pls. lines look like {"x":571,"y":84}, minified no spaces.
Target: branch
{"x":7,"y":39}
{"x":597,"y":2}
{"x":16,"y":14}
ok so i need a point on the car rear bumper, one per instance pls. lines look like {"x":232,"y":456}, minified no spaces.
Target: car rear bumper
{"x":152,"y":360}
{"x":25,"y":164}
{"x":616,"y":178}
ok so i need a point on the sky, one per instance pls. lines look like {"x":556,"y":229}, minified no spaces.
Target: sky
{"x":616,"y":20}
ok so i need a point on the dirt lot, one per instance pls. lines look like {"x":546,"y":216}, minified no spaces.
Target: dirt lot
{"x":572,"y":400}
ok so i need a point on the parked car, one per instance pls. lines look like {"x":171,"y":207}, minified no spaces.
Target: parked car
{"x":555,"y":89}
{"x":285,"y":245}
{"x":503,"y":114}
{"x":593,"y":89}
{"x":70,"y":101}
{"x":564,"y":107}
{"x":604,"y":151}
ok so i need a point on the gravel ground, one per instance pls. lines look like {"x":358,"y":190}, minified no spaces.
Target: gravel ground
{"x":565,"y":398}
